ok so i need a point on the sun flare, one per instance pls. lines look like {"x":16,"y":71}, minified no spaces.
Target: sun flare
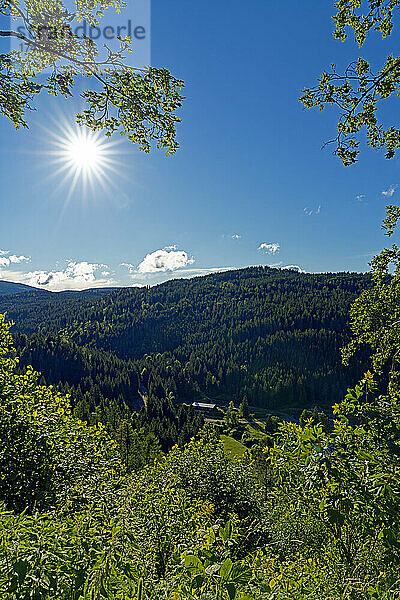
{"x":84,"y":153}
{"x":80,"y":160}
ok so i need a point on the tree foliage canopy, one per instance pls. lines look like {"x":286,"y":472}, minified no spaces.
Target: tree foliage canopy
{"x":360,"y":90}
{"x":46,"y":456}
{"x":140,"y":104}
{"x":195,"y":525}
{"x":375,"y":315}
{"x":268,"y":334}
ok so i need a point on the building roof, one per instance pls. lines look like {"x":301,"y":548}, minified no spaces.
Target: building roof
{"x":204,"y":405}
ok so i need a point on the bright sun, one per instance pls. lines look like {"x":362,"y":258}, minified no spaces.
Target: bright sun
{"x":81,"y":157}
{"x":85,"y":153}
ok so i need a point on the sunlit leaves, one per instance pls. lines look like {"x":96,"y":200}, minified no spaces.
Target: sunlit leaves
{"x":45,"y":454}
{"x":374,"y":15}
{"x":357,"y":94}
{"x":146,"y":105}
{"x":139,"y":104}
{"x":375,"y":315}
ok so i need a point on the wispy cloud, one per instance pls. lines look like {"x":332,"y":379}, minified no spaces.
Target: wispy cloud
{"x":312,"y":211}
{"x":205,"y":271}
{"x":360,"y":198}
{"x":131,"y":268}
{"x":7,"y":259}
{"x":390,"y":191}
{"x":269,"y":248}
{"x":232,"y":236}
{"x":365,"y":255}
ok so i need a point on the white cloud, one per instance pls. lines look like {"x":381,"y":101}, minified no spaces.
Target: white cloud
{"x":236,"y":236}
{"x":205,"y":271}
{"x":360,"y":197}
{"x":390,"y":191}
{"x":311,"y":211}
{"x":184,"y":273}
{"x":167,"y":259}
{"x":76,"y":276}
{"x":294,"y":268}
{"x":271,"y":248}
{"x":7,"y":259}
{"x":129,"y":266}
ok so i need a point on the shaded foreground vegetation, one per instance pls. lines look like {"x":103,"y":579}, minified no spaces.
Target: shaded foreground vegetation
{"x":312,"y":515}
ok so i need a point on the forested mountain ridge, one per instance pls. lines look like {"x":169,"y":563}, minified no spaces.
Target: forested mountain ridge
{"x":40,"y":310}
{"x":269,"y":334}
{"x":258,"y":299}
{"x":9,"y":287}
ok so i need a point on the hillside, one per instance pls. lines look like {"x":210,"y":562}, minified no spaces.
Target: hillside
{"x":8,"y":287}
{"x":271,"y":335}
{"x":40,"y":310}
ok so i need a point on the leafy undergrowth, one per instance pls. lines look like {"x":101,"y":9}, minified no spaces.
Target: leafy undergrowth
{"x":317,"y":518}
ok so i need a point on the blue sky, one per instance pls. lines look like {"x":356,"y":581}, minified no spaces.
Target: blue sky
{"x":250,"y":163}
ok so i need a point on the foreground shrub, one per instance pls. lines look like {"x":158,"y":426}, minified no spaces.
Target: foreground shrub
{"x":46,"y":455}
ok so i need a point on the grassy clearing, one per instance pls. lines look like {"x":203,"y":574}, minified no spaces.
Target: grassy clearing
{"x":255,"y":432}
{"x":233,"y":448}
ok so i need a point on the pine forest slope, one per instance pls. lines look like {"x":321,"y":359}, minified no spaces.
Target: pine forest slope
{"x":269,"y":334}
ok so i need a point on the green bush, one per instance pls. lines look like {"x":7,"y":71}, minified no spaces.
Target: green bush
{"x":308,"y":513}
{"x":46,"y":456}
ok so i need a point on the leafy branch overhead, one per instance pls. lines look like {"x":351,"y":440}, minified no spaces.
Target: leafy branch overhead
{"x":140,"y":104}
{"x":375,"y":315}
{"x":358,"y":93}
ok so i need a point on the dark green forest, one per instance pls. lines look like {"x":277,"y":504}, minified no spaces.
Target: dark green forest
{"x":136,"y":359}
{"x":270,"y":335}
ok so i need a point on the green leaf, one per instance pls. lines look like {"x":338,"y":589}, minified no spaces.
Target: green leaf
{"x":231,"y":589}
{"x":226,"y":569}
{"x":21,"y":568}
{"x":225,"y":533}
{"x":193,"y":564}
{"x":140,"y":590}
{"x":240,"y":574}
{"x":212,"y":569}
{"x":197,"y":582}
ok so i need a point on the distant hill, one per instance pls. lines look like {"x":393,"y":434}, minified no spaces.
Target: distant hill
{"x":99,"y":290}
{"x":8,"y":287}
{"x":268,"y":334}
{"x":37,"y":309}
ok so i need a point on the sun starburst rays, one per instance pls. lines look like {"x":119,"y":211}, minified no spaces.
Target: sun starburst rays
{"x":80,"y":160}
